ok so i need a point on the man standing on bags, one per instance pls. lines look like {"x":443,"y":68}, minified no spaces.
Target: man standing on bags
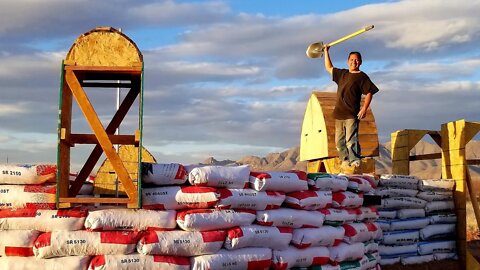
{"x":351,"y":85}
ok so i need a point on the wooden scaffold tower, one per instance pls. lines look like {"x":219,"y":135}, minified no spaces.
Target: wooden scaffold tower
{"x":101,"y":58}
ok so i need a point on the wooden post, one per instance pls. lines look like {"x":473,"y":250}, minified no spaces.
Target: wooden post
{"x":402,"y":142}
{"x":455,"y":136}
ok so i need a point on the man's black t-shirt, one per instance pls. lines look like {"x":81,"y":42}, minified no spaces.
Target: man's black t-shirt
{"x":351,"y":86}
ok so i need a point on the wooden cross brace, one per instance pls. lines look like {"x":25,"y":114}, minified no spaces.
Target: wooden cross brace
{"x":103,"y":138}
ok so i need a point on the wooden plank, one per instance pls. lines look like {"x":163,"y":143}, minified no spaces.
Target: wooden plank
{"x":426,"y":156}
{"x":100,"y":133}
{"x":471,"y":262}
{"x":105,"y":85}
{"x":454,"y":135}
{"x":473,"y":197}
{"x":314,"y":166}
{"x":436,"y":137}
{"x":91,"y":139}
{"x":65,"y":126}
{"x":455,"y":157}
{"x":454,"y":172}
{"x":112,"y":126}
{"x":95,"y":200}
{"x":107,"y":69}
{"x":471,"y":129}
{"x":370,"y":152}
{"x":401,"y":167}
{"x":473,"y":161}
{"x":400,"y":153}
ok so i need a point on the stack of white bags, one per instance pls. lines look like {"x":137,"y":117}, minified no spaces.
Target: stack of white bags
{"x":232,"y":218}
{"x":27,"y":214}
{"x":417,"y":218}
{"x":210,"y":217}
{"x":222,"y":217}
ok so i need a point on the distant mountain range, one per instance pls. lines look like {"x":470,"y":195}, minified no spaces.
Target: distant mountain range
{"x":288,"y":160}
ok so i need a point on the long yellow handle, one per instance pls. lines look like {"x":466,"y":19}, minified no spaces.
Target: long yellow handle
{"x":350,"y":36}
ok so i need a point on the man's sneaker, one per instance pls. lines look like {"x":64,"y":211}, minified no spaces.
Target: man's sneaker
{"x":355,"y":163}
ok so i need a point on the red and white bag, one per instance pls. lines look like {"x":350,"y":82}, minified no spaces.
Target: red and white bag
{"x":346,"y":252}
{"x":359,"y":184}
{"x":279,"y":181}
{"x":80,"y":243}
{"x":137,"y":261}
{"x":258,"y":236}
{"x":42,"y":219}
{"x":347,"y":199}
{"x":28,"y":196}
{"x":220,"y":176}
{"x":163,"y":174}
{"x":249,"y":199}
{"x":292,"y":218}
{"x":367,"y":213}
{"x":179,"y":197}
{"x":370,"y":178}
{"x":327,"y":181}
{"x":17,"y":242}
{"x":313,"y":237}
{"x":130,"y":219}
{"x":399,"y":181}
{"x":27,"y":174}
{"x":337,"y":217}
{"x":211,"y":219}
{"x":180,"y":243}
{"x":309,"y":199}
{"x":237,"y":259}
{"x":29,"y":263}
{"x":361,"y":232}
{"x":293,"y":257}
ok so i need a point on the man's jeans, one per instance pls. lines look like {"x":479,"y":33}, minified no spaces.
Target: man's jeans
{"x":346,"y":139}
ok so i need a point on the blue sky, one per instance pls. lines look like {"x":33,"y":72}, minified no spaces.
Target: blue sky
{"x":230,"y":78}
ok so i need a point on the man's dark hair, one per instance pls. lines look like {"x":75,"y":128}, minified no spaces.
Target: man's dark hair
{"x":357,"y":53}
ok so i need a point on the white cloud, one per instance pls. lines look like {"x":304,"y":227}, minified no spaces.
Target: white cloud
{"x":168,"y":11}
{"x":10,"y":109}
{"x":453,"y":86}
